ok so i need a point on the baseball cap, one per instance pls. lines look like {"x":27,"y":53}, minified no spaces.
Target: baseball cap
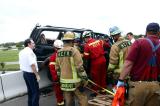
{"x":153,"y":27}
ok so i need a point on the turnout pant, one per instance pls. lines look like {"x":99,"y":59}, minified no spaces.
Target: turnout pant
{"x":32,"y":88}
{"x":70,"y":98}
{"x":143,"y":94}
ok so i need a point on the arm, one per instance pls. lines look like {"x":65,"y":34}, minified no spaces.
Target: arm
{"x":79,"y":65}
{"x":33,"y":66}
{"x":126,"y":69}
{"x":57,"y":67}
{"x":86,"y":54}
{"x":114,"y":58}
{"x":44,"y":63}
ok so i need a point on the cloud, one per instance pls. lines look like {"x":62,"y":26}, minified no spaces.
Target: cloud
{"x":18,"y":17}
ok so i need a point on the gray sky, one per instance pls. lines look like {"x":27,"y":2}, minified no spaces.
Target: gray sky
{"x":18,"y":17}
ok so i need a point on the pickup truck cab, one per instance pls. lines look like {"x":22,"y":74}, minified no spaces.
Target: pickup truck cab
{"x":51,"y":33}
{"x":44,"y":46}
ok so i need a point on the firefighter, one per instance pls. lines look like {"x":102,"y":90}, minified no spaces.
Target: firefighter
{"x":58,"y":44}
{"x":72,"y":74}
{"x":143,"y":66}
{"x":117,"y":54}
{"x":93,"y":50}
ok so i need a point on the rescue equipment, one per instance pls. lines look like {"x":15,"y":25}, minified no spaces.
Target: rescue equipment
{"x":101,"y":87}
{"x":119,"y":97}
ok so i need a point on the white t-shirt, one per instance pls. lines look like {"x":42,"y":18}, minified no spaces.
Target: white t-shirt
{"x":26,"y":59}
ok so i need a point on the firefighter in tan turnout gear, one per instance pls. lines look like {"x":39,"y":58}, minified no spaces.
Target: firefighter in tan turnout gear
{"x":118,"y":53}
{"x":72,"y":74}
{"x":143,"y":66}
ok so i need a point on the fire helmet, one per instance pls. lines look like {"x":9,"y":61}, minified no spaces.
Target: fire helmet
{"x":114,"y":30}
{"x":58,"y":44}
{"x":69,"y":36}
{"x":86,"y":34}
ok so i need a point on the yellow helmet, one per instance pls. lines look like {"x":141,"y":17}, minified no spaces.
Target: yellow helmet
{"x":69,"y":36}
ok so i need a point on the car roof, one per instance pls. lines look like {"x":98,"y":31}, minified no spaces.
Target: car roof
{"x":38,"y":29}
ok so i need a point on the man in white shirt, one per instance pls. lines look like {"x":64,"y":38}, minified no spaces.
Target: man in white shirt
{"x":130,"y":37}
{"x":28,"y":64}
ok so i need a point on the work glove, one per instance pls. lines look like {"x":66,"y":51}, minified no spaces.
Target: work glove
{"x":120,"y":83}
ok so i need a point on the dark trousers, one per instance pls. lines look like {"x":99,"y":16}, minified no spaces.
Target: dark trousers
{"x":32,"y":88}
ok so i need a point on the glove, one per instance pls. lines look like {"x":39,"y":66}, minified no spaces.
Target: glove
{"x":120,"y":83}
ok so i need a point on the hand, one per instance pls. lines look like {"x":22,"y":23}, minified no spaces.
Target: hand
{"x":120,"y":83}
{"x":38,"y":78}
{"x":85,"y":83}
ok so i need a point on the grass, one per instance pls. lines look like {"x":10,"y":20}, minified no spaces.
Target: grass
{"x":9,"y":56}
{"x":12,"y":67}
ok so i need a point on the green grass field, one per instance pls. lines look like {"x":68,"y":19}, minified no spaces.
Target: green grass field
{"x":9,"y":56}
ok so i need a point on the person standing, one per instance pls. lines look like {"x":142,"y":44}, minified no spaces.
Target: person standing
{"x":117,"y":54}
{"x":58,"y":44}
{"x":130,"y":36}
{"x":72,"y":74}
{"x":28,"y":65}
{"x":143,"y":66}
{"x":93,"y":50}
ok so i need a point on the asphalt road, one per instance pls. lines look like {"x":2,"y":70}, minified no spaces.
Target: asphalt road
{"x":45,"y":100}
{"x":22,"y":101}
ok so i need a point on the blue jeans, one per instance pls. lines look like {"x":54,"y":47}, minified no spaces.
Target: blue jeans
{"x":32,"y":88}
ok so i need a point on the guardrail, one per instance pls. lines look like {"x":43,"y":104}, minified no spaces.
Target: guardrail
{"x":13,"y":85}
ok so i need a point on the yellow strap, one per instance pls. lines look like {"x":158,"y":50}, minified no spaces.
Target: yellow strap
{"x":101,"y":87}
{"x":121,"y":59}
{"x":74,"y":72}
{"x":94,"y":42}
{"x":52,"y":63}
{"x":86,"y":53}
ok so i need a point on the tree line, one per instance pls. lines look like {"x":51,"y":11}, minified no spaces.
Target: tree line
{"x":9,"y":45}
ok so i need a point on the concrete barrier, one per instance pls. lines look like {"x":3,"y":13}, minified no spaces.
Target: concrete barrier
{"x":14,"y":84}
{"x":1,"y":91}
